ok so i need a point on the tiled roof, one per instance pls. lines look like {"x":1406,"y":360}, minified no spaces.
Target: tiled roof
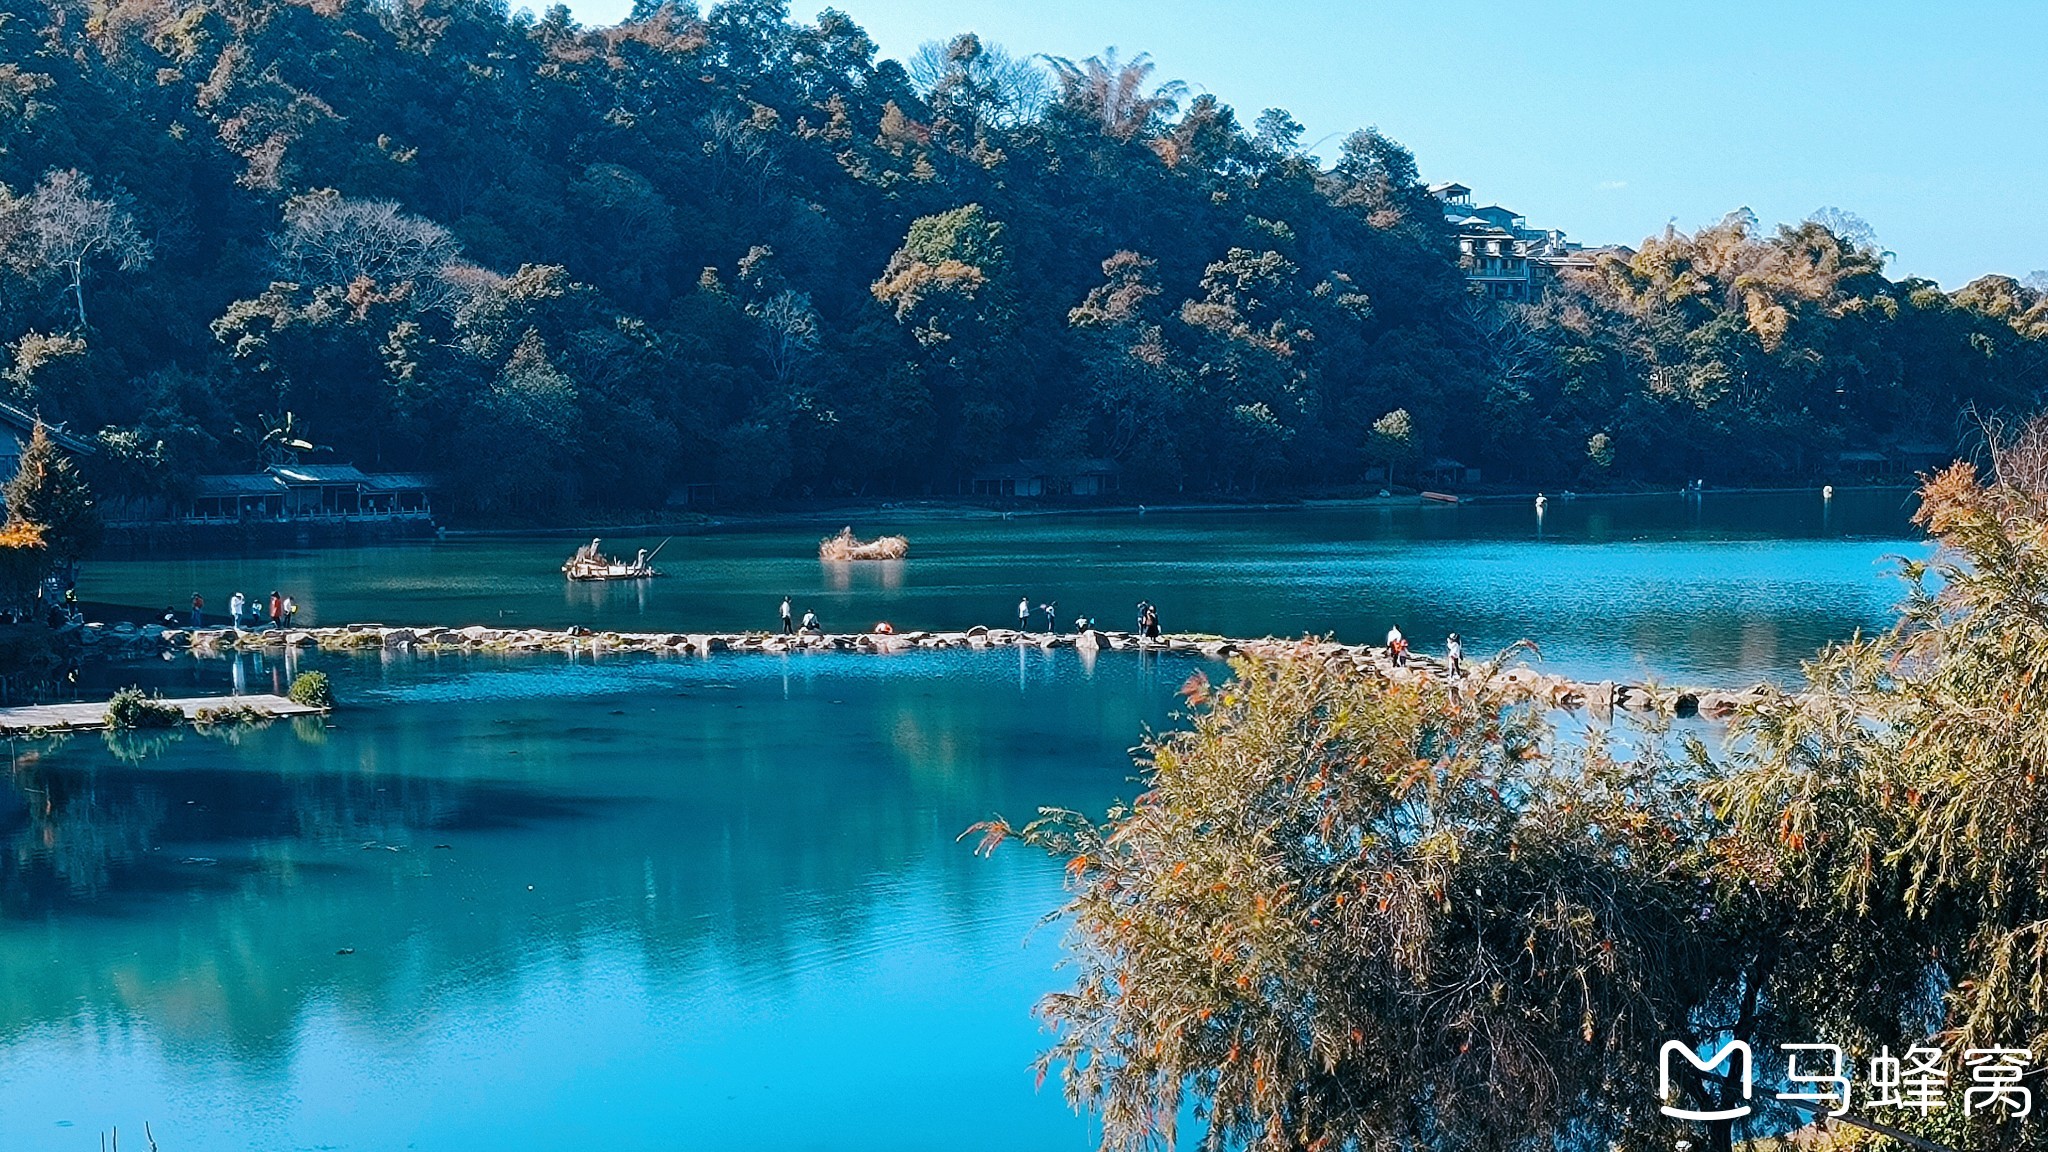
{"x":398,"y":481}
{"x":238,"y":484}
{"x":318,"y":473}
{"x":25,"y":422}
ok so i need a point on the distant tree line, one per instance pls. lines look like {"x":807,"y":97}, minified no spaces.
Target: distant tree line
{"x":569,"y":268}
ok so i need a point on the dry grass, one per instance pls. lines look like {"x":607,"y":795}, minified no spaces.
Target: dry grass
{"x":846,"y":547}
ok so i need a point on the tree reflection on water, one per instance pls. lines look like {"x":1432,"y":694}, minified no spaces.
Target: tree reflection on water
{"x":745,"y":824}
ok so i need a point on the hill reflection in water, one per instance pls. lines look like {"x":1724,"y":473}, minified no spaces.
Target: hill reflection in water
{"x":525,"y":902}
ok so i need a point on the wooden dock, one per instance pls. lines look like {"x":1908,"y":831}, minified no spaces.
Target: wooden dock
{"x":94,"y":715}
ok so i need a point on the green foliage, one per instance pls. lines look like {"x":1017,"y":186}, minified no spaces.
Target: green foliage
{"x":575,"y":306}
{"x":946,"y":262}
{"x":229,"y":718}
{"x":311,"y":689}
{"x":133,"y":708}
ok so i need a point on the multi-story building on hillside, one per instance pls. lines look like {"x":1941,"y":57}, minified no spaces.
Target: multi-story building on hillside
{"x":1503,"y":257}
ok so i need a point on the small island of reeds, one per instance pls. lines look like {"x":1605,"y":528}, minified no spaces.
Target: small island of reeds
{"x":847,"y":546}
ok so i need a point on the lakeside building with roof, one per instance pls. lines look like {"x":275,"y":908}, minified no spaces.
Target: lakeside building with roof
{"x":288,"y":493}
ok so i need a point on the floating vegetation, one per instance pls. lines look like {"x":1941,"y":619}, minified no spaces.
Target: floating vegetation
{"x":846,"y":546}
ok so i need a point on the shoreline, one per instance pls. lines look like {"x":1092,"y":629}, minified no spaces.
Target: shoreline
{"x":257,"y":537}
{"x":915,"y":510}
{"x":1554,"y":691}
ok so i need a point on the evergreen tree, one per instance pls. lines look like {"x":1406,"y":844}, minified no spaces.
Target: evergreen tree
{"x":49,"y":492}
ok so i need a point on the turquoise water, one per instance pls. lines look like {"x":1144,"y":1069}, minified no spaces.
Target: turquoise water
{"x":685,"y":904}
{"x":1717,"y":590}
{"x":644,"y":903}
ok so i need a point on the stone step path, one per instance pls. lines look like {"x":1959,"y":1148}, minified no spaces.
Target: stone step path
{"x":94,"y":715}
{"x":1601,"y":698}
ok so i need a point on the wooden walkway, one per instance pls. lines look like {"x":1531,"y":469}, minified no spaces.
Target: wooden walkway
{"x":77,"y":716}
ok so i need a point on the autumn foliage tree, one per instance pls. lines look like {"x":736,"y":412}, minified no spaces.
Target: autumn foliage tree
{"x":1353,"y":912}
{"x":1348,"y":913}
{"x":1902,"y":793}
{"x":49,"y":492}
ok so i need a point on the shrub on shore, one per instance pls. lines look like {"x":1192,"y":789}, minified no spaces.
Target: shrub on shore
{"x":133,"y":708}
{"x":311,"y":689}
{"x":231,"y":716}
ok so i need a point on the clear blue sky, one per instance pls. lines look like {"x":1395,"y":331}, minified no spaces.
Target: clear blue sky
{"x":1609,"y":119}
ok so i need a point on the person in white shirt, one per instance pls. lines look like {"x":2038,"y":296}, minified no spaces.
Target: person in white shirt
{"x":235,"y":605}
{"x":1023,"y":613}
{"x":1454,"y":655}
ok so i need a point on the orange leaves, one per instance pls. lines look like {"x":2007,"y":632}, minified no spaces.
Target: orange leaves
{"x":993,"y":833}
{"x":1787,"y":835}
{"x":1195,"y":690}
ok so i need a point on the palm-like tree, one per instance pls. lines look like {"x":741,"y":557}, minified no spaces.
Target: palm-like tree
{"x":1112,"y":92}
{"x":277,"y":441}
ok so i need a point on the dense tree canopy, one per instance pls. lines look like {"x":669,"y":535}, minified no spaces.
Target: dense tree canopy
{"x":721,"y":247}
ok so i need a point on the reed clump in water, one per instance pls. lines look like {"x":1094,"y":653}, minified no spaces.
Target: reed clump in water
{"x":846,"y":546}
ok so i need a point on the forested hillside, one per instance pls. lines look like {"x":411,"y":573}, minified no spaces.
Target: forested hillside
{"x":571,"y":268}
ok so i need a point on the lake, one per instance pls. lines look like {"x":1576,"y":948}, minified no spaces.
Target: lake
{"x":1718,"y":590}
{"x":534,"y":903}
